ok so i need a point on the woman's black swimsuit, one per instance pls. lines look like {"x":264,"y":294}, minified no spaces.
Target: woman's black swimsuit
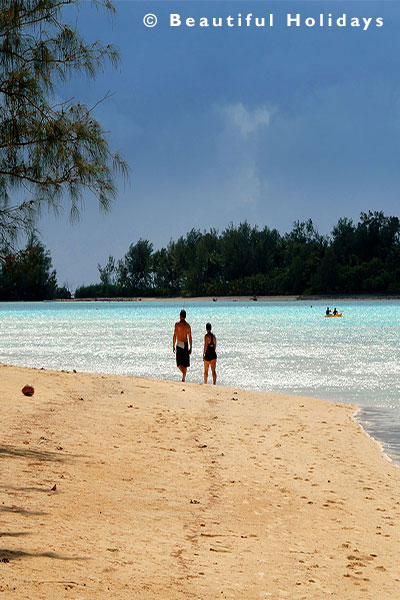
{"x":210,"y":352}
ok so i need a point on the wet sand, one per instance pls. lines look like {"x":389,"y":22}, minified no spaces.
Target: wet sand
{"x":120,"y":487}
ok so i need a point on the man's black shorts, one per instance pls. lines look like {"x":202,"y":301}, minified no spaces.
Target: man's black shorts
{"x":182,"y":356}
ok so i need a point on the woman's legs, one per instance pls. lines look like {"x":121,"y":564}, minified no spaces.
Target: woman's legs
{"x":214,"y":372}
{"x":206,"y":365}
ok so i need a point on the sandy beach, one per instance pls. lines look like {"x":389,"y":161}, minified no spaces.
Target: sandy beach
{"x":120,"y":487}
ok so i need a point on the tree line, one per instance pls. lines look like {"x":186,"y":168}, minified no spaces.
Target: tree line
{"x":356,"y":258}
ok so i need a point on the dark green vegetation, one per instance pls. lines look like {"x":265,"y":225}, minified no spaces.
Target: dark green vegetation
{"x":28,"y":275}
{"x":357,"y":258}
{"x":49,"y":149}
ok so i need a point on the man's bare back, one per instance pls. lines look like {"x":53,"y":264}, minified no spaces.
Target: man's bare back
{"x":183,"y":331}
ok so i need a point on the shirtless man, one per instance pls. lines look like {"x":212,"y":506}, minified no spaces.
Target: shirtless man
{"x":183,"y":349}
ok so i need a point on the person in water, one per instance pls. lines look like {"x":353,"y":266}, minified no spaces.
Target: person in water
{"x":182,"y":333}
{"x":328,"y":311}
{"x":209,"y":354}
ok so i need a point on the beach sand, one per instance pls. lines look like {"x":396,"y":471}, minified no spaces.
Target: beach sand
{"x":181,"y":491}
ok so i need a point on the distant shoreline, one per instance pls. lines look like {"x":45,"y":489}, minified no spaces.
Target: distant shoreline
{"x":180,"y":299}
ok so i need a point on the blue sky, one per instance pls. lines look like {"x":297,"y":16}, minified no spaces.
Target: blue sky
{"x":220,"y":125}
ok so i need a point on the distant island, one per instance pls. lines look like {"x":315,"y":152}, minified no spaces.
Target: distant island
{"x":357,"y":258}
{"x":360,"y":258}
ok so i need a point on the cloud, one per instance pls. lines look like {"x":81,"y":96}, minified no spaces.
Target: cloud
{"x":238,"y":154}
{"x":247,"y":121}
{"x":246,"y":188}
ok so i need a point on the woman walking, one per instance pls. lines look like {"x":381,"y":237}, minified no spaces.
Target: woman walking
{"x":209,"y":354}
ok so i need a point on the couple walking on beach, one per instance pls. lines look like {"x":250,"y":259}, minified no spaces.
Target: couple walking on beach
{"x":182,"y":346}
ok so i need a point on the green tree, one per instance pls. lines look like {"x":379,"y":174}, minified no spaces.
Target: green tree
{"x":239,"y":251}
{"x":268,"y":250}
{"x":204,"y":273}
{"x":63,"y":292}
{"x":376,"y":234}
{"x":325,"y":280}
{"x":28,"y":275}
{"x":164,"y":273}
{"x":343,"y":240}
{"x":48,"y":150}
{"x":304,"y":249}
{"x":108,"y":274}
{"x":137,"y":265}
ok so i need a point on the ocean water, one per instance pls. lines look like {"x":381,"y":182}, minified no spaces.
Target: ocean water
{"x":267,"y":346}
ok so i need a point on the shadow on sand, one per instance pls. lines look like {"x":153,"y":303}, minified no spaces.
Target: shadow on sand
{"x":10,"y":452}
{"x":13,"y":452}
{"x":14,"y":488}
{"x":8,"y":555}
{"x":22,"y":511}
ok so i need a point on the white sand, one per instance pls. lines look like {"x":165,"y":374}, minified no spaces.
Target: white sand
{"x":172,"y":491}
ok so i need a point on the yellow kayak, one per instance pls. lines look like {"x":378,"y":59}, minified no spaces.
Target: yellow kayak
{"x":337,"y":315}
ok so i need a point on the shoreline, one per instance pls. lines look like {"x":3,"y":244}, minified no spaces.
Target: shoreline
{"x":182,"y":300}
{"x":384,"y":445}
{"x":389,"y":444}
{"x":175,"y":490}
{"x":293,"y":298}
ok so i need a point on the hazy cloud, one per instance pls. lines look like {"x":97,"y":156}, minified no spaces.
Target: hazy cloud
{"x":245,"y":120}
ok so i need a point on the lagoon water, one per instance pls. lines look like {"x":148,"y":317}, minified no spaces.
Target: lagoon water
{"x":267,"y":346}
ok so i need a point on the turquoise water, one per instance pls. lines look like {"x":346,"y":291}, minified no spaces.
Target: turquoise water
{"x":272,"y":346}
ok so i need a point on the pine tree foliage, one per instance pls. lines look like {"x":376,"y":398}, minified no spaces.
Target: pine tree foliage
{"x":48,"y":150}
{"x":29,"y":274}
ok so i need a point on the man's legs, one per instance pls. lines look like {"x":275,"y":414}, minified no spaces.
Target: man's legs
{"x":183,"y":371}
